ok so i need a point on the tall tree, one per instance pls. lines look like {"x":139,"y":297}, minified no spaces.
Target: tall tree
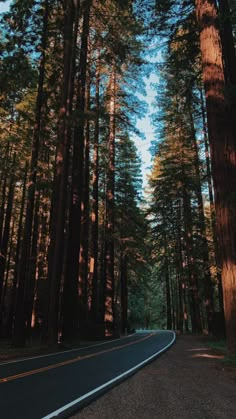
{"x":222,"y":143}
{"x":19,"y":337}
{"x":70,"y":321}
{"x":56,"y":250}
{"x":93,"y":266}
{"x":110,"y":191}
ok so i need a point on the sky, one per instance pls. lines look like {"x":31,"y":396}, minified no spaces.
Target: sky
{"x":4,"y":6}
{"x":144,"y":124}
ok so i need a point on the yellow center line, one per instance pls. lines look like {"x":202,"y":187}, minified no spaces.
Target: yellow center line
{"x":70,"y":361}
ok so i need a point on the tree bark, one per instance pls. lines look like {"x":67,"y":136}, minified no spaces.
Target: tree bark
{"x":93,"y":267}
{"x":70,"y":319}
{"x":227,"y":40}
{"x":8,"y":266}
{"x":56,"y":251}
{"x":19,"y":324}
{"x":223,"y":152}
{"x":212,"y":208}
{"x":17,"y":256}
{"x":6,"y":230}
{"x":193,"y":282}
{"x":168,"y":296}
{"x":5,"y":242}
{"x":3,"y":196}
{"x":84,"y":283}
{"x":109,"y":247}
{"x":124,"y":293}
{"x":208,"y":285}
{"x":179,"y":268}
{"x":29,"y":298}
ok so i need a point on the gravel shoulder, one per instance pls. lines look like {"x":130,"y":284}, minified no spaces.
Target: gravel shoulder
{"x":189,"y":381}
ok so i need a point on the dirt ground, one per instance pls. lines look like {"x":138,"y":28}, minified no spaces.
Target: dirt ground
{"x":189,"y":381}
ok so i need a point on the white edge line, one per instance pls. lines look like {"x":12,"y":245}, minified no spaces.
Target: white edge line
{"x":63,"y":352}
{"x":118,"y":377}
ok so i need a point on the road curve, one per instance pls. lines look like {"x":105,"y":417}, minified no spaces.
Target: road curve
{"x":56,"y":385}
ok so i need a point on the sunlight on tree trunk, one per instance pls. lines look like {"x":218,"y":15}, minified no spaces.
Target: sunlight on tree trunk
{"x":223,"y":152}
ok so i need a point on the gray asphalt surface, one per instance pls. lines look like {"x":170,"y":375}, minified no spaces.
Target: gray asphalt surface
{"x":34,"y":388}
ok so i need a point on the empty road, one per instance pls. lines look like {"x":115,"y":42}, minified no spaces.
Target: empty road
{"x":56,"y":385}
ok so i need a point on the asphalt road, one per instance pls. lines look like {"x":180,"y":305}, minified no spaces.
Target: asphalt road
{"x":56,"y":385}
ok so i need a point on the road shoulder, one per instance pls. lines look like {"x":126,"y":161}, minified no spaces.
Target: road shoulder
{"x":189,"y":381}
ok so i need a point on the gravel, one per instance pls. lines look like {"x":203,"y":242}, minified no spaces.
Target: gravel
{"x":189,"y":381}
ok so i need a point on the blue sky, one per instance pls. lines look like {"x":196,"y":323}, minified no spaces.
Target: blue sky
{"x":143,"y":124}
{"x":4,"y":6}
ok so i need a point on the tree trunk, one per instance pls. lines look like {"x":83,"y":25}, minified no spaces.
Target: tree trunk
{"x":29,"y":298}
{"x":185,"y":309}
{"x":17,"y":256}
{"x":109,"y":255}
{"x":172,"y":299}
{"x":227,"y":40}
{"x":93,"y":267}
{"x":208,"y":285}
{"x":8,"y":266}
{"x":179,"y":267}
{"x":84,"y":284}
{"x":193,"y":282}
{"x":56,"y":251}
{"x":70,"y":298}
{"x":6,"y":230}
{"x":212,"y":208}
{"x":4,"y":307}
{"x":168,"y":297}
{"x":223,"y":152}
{"x":19,"y":324}
{"x":4,"y":185}
{"x":124,"y":293}
{"x":102,"y":271}
{"x":38,"y":318}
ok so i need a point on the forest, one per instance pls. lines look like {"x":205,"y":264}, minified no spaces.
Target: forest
{"x":85,"y":253}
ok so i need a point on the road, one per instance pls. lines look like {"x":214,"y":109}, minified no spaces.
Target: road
{"x":56,"y":385}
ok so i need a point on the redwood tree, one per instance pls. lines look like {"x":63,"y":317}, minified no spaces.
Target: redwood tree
{"x":223,"y":153}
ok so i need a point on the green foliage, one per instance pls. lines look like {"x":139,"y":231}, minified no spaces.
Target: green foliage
{"x":177,"y":178}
